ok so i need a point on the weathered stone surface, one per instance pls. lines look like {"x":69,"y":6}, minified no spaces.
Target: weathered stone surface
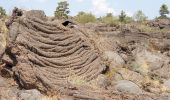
{"x":160,"y":23}
{"x":2,"y":82}
{"x":167,"y":83}
{"x":30,"y":95}
{"x":114,"y":58}
{"x":101,"y":81}
{"x":47,"y":55}
{"x":152,"y":61}
{"x":126,"y":74}
{"x":127,"y":87}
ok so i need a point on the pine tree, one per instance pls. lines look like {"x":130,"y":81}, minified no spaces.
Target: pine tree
{"x":163,"y":11}
{"x":62,"y":10}
{"x":2,"y":12}
{"x":122,"y":16}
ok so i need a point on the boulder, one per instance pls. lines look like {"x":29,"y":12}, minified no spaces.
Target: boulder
{"x":114,"y":58}
{"x":101,"y":81}
{"x":151,"y":61}
{"x":126,"y":86}
{"x":126,"y":74}
{"x":30,"y":95}
{"x":44,"y":54}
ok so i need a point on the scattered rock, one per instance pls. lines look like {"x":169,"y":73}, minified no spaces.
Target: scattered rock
{"x":114,"y":58}
{"x":126,"y":74}
{"x":126,"y":86}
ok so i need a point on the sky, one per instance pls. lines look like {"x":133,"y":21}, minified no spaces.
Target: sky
{"x":96,"y":7}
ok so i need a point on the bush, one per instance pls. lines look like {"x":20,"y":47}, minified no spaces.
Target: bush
{"x":128,"y":19}
{"x":83,"y":17}
{"x":109,"y":19}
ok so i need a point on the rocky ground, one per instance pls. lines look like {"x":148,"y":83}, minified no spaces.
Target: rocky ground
{"x":121,"y":62}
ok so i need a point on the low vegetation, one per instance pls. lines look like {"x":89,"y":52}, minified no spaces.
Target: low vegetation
{"x":83,"y":17}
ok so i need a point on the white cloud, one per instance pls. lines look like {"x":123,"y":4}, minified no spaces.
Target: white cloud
{"x":80,"y":0}
{"x":33,"y":0}
{"x":101,"y":7}
{"x":63,"y":0}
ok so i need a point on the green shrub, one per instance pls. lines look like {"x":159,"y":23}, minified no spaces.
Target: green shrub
{"x":128,"y":19}
{"x":110,"y":19}
{"x":83,"y":17}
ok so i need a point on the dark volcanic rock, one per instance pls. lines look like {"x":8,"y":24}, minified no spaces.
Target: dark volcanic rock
{"x":49,"y":56}
{"x":160,"y":23}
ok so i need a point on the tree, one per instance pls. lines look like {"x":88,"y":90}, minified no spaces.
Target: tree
{"x":83,"y":17}
{"x":122,"y":16}
{"x":2,"y":12}
{"x":62,"y":10}
{"x":139,"y":16}
{"x":163,"y":11}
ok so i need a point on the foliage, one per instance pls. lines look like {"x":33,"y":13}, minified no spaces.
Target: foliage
{"x":109,"y":19}
{"x":2,"y":12}
{"x":122,"y":16}
{"x":62,"y":10}
{"x":83,"y":17}
{"x":128,"y":19}
{"x":139,"y":16}
{"x":163,"y":11}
